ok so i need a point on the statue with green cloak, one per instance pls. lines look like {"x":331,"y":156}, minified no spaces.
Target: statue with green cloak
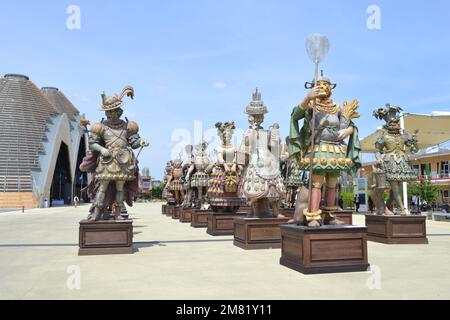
{"x":331,"y":155}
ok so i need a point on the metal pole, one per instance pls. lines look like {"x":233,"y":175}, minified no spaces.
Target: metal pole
{"x":313,"y":136}
{"x":405,"y":185}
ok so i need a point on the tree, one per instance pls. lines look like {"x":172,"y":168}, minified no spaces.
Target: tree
{"x":425,"y":189}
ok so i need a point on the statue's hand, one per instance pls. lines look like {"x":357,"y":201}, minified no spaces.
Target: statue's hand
{"x":106,"y":153}
{"x":315,"y":92}
{"x":344,"y":133}
{"x":144,"y":143}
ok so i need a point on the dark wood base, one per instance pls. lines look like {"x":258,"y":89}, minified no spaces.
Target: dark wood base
{"x":164,"y":209}
{"x":288,"y":212}
{"x":245,"y":209}
{"x":345,"y":216}
{"x":397,"y":229}
{"x":186,"y":215}
{"x":105,"y":237}
{"x":327,"y":249}
{"x":176,"y":213}
{"x":222,"y":223}
{"x":254,"y":233}
{"x":200,"y":218}
{"x":170,"y":210}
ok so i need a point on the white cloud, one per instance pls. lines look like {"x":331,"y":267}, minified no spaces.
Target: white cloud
{"x":219,"y":85}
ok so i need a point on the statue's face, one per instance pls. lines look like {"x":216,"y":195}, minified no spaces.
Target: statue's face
{"x":114,"y":114}
{"x":256,"y":119}
{"x":227,"y":135}
{"x":324,"y":87}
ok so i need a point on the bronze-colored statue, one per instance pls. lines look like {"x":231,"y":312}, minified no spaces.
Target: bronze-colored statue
{"x":393,"y":165}
{"x":198,"y":174}
{"x":175,"y":182}
{"x":292,"y":175}
{"x":224,"y":183}
{"x":189,"y":196}
{"x":166,"y":193}
{"x":333,"y":124}
{"x":262,"y":183}
{"x":111,"y":159}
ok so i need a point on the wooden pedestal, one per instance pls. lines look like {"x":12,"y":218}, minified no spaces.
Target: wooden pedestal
{"x":254,"y":233}
{"x":164,"y":209}
{"x":245,"y":209}
{"x":222,"y":223}
{"x":186,"y":215}
{"x":324,"y":250}
{"x":176,"y":213}
{"x":288,"y":212}
{"x":345,"y":216}
{"x":106,"y":237}
{"x":397,"y":229}
{"x":170,"y":210}
{"x":200,"y":218}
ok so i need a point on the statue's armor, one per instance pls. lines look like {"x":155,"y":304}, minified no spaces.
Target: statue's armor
{"x":329,"y":153}
{"x":176,"y":182}
{"x":121,"y":165}
{"x":262,"y":178}
{"x":222,"y":181}
{"x":295,"y":174}
{"x":396,"y":164}
{"x":200,"y":177}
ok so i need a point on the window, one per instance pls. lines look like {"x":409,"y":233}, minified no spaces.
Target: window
{"x":425,"y":170}
{"x":446,"y":193}
{"x":445,"y":168}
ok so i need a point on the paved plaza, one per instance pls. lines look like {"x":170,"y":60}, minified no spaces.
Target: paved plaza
{"x":39,"y":260}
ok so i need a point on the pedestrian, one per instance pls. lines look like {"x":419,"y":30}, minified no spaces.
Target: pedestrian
{"x":341,"y":203}
{"x":46,"y":203}
{"x":370,"y":204}
{"x":76,"y":200}
{"x":356,"y":202}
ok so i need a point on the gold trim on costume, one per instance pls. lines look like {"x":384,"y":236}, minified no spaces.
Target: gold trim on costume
{"x":312,"y":215}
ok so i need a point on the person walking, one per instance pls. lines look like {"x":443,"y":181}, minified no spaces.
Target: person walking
{"x":356,"y":202}
{"x":76,"y":200}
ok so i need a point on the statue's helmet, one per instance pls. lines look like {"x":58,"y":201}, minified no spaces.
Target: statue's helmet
{"x":256,"y":106}
{"x":115,"y":101}
{"x":322,"y":78}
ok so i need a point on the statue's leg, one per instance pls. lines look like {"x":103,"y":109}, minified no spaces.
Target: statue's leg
{"x":300,"y":205}
{"x":200,"y":197}
{"x":390,"y":201}
{"x":314,"y":216}
{"x":119,"y":199}
{"x":99,"y":202}
{"x":330,"y":199}
{"x":396,"y":189}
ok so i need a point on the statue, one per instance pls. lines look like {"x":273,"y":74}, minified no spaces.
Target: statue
{"x":189,"y":197}
{"x":224,"y":183}
{"x":292,"y":175}
{"x":111,"y":159}
{"x":394,"y":167}
{"x":175,"y":183}
{"x":333,"y":124}
{"x":166,"y":193}
{"x":198,"y":174}
{"x":262,"y":183}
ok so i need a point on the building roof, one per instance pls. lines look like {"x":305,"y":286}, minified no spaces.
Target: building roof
{"x":24,"y":112}
{"x":433,"y":129}
{"x":60,"y":101}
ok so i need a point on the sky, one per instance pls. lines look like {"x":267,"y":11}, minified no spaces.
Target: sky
{"x":193,"y":63}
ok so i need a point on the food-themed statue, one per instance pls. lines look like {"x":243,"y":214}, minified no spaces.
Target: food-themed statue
{"x":111,"y":159}
{"x":333,"y":124}
{"x":175,"y":182}
{"x":393,"y":164}
{"x":225,"y":178}
{"x":198,"y":174}
{"x":262,"y":183}
{"x":292,"y":175}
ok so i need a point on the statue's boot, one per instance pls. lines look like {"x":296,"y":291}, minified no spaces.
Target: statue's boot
{"x":120,"y":205}
{"x":95,"y":216}
{"x":330,"y":205}
{"x":405,"y":212}
{"x":388,"y":212}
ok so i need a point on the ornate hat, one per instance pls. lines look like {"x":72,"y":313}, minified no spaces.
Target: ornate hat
{"x":310,"y":85}
{"x":256,"y":106}
{"x":115,"y":101}
{"x":390,"y":114}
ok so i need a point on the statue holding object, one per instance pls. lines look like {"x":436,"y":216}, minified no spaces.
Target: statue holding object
{"x":332,"y":125}
{"x":111,"y":159}
{"x":393,"y":165}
